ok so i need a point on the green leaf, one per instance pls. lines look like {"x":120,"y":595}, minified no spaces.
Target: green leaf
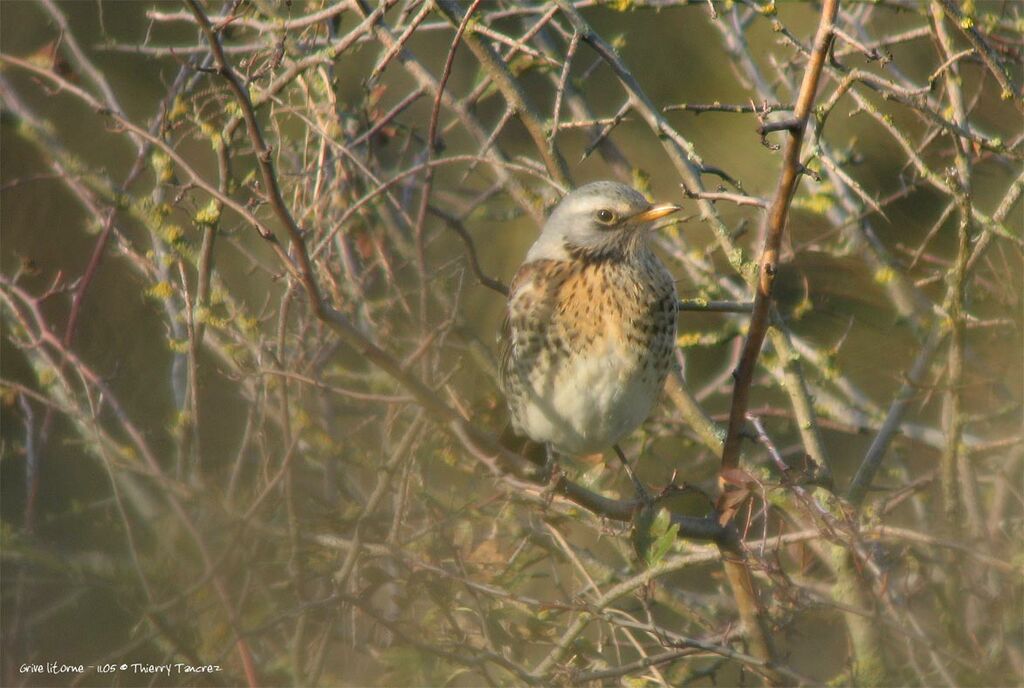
{"x":653,"y":535}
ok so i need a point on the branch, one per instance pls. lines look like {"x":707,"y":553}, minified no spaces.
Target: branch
{"x":736,"y":570}
{"x":714,"y":306}
{"x":776,"y":224}
{"x":966,"y":24}
{"x":738,"y":199}
{"x":762,"y":109}
{"x":278,"y":25}
{"x":492,"y":63}
{"x":263,"y":153}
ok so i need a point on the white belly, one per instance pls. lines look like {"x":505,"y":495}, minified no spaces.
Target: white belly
{"x":585,"y":404}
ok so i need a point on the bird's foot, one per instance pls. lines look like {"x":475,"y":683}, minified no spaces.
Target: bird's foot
{"x":641,"y":492}
{"x":554,"y":472}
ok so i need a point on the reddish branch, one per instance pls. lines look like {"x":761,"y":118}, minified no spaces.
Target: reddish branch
{"x":736,"y":569}
{"x":776,"y":224}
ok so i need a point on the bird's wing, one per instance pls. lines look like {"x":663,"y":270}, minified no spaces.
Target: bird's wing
{"x":508,"y":324}
{"x":524,"y":303}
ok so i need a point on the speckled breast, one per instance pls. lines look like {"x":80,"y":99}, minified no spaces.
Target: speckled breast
{"x":588,"y":346}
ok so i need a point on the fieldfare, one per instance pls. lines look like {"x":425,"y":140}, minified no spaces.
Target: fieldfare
{"x":591,"y":323}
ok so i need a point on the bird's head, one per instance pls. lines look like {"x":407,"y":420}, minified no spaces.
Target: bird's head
{"x":601,"y":219}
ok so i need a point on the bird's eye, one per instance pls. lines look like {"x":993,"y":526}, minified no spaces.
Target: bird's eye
{"x":605,"y":216}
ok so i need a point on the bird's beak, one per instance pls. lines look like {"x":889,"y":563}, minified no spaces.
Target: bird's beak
{"x":655,"y":212}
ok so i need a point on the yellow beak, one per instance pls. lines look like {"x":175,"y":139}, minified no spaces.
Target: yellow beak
{"x":655,"y":212}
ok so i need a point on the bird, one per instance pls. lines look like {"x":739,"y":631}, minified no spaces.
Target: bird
{"x":590,"y":324}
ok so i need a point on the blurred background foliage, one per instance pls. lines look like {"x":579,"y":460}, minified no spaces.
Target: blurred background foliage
{"x":195,"y":468}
